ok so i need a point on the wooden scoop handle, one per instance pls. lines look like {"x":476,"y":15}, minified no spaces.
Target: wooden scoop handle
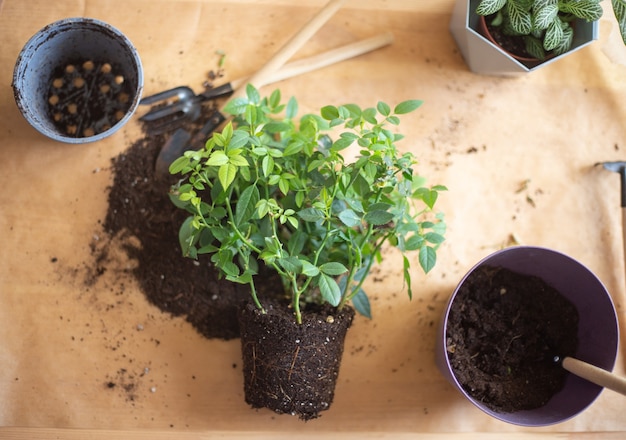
{"x":595,"y":375}
{"x":292,"y":46}
{"x":315,"y":62}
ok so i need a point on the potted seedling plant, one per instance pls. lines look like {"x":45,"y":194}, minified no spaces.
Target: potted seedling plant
{"x":271,"y":191}
{"x":514,"y":36}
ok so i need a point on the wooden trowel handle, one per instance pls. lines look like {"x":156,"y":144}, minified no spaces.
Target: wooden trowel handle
{"x":318,"y":61}
{"x":624,"y":235}
{"x":292,"y":46}
{"x":595,"y":375}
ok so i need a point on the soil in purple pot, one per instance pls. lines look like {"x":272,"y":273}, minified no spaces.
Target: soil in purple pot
{"x":504,"y":329}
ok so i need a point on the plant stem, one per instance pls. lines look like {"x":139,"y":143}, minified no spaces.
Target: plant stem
{"x":255,"y":297}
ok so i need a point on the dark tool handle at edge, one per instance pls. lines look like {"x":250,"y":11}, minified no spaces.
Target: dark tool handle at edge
{"x":180,"y":142}
{"x":171,"y":150}
{"x":217,"y":92}
{"x":622,"y":174}
{"x":209,"y":127}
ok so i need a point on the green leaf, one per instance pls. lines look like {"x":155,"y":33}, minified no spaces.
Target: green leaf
{"x":554,"y":35}
{"x":407,"y":106}
{"x":546,"y":14}
{"x":566,"y":42}
{"x":309,"y":269}
{"x":383,"y":108}
{"x":362,"y":304}
{"x":179,"y":165}
{"x":406,"y":271}
{"x":292,"y":108}
{"x":430,"y":197}
{"x":534,"y":46}
{"x":619,"y":9}
{"x":187,"y":237}
{"x":227,"y":174}
{"x":244,"y":278}
{"x":589,"y":10}
{"x":369,"y":115}
{"x":488,"y":7}
{"x":275,"y":98}
{"x":333,"y":268}
{"x":300,"y":198}
{"x":238,"y":160}
{"x":434,"y":238}
{"x":414,"y":242}
{"x":229,"y":268}
{"x":293,"y":148}
{"x":329,"y":290}
{"x":344,"y":141}
{"x":427,"y":258}
{"x":329,"y":112}
{"x":236,"y":106}
{"x":217,"y":158}
{"x":291,"y":264}
{"x":283,"y":185}
{"x":378,"y":218}
{"x":349,"y":218}
{"x":311,"y":215}
{"x":246,"y":205}
{"x":267,"y":165}
{"x":520,"y":19}
{"x":253,"y":94}
{"x":293,"y":222}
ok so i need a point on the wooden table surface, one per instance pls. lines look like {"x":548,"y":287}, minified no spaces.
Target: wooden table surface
{"x":517,"y":155}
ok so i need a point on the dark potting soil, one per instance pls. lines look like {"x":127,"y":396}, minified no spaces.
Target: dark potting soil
{"x":503,"y":332}
{"x":88,"y":97}
{"x":146,"y":222}
{"x":510,"y":43}
{"x":295,"y":370}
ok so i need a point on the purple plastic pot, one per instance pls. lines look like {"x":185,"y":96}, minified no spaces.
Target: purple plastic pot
{"x":62,"y":42}
{"x":598,"y":332}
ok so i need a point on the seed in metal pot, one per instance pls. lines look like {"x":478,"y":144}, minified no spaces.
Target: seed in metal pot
{"x":87,"y":132}
{"x":70,"y":68}
{"x":123,"y":98}
{"x":71,"y":129}
{"x":104,"y":88}
{"x":119,"y":115}
{"x":72,"y":108}
{"x":57,"y":83}
{"x":78,"y":82}
{"x":54,"y":99}
{"x":57,"y":116}
{"x":88,"y":65}
{"x":119,"y":79}
{"x":106,"y":68}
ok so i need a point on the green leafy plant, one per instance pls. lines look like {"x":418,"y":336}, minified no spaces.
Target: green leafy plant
{"x":546,"y":25}
{"x":268,"y":190}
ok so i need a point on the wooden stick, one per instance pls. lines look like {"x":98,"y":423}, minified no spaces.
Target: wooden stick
{"x":292,"y":46}
{"x":325,"y":59}
{"x":595,"y":375}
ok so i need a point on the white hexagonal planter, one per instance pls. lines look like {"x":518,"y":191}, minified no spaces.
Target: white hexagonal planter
{"x":484,"y":57}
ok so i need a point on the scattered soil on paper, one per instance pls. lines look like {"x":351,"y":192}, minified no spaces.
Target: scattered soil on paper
{"x":141,"y":216}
